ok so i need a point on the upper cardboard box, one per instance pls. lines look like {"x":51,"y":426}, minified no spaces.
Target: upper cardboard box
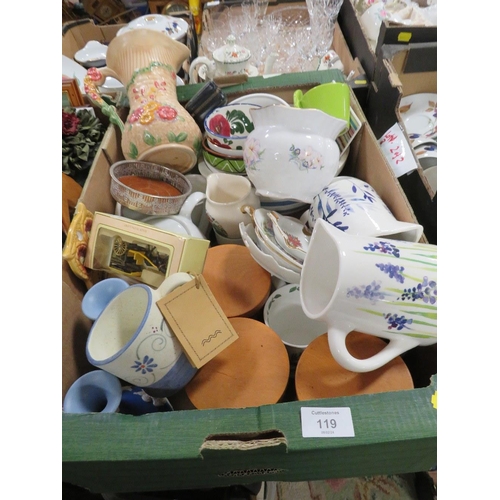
{"x":423,"y":37}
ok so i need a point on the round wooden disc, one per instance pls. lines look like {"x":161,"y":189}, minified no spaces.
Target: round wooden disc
{"x":319,"y":375}
{"x":252,"y":371}
{"x":239,"y":284}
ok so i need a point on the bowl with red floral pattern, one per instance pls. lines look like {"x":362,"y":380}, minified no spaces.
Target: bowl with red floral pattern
{"x":228,"y":126}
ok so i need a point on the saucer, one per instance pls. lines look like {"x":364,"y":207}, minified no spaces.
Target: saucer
{"x":265,"y":260}
{"x":260,"y":99}
{"x":289,"y":235}
{"x":94,"y":52}
{"x":419,"y":114}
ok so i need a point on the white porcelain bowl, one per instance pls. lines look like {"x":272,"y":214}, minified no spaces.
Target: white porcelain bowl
{"x":230,"y":125}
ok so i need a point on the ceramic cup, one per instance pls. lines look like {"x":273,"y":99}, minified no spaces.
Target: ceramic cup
{"x":353,"y":206}
{"x":333,"y":98}
{"x":95,"y":392}
{"x":284,"y":314}
{"x":376,"y":286}
{"x":226,"y":195}
{"x":131,"y":339}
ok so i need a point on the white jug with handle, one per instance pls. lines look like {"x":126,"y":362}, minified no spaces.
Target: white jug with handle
{"x":377,"y":286}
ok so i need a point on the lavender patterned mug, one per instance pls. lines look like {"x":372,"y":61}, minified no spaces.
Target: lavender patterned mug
{"x":353,"y":206}
{"x":376,"y":286}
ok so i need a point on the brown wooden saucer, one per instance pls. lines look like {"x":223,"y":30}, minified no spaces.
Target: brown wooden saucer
{"x":252,"y":371}
{"x":240,"y":285}
{"x":319,"y":375}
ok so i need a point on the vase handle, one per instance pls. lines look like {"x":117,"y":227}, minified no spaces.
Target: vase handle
{"x":92,"y":80}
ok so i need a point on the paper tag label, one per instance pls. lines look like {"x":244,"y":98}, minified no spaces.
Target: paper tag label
{"x":195,"y":317}
{"x":326,"y":422}
{"x":397,"y":151}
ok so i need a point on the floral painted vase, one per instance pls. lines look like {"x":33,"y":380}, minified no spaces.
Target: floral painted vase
{"x":377,"y":286}
{"x":158,"y":128}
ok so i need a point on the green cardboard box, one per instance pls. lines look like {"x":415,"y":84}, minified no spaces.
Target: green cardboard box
{"x":185,"y":449}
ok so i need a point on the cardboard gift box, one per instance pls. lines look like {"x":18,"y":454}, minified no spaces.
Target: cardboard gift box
{"x":394,"y":432}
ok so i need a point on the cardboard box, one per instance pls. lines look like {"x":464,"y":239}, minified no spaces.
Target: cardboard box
{"x":395,"y":432}
{"x":395,"y":78}
{"x":390,"y":34}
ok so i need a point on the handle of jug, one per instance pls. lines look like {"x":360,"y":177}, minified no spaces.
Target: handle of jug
{"x":92,"y":80}
{"x":338,"y":348}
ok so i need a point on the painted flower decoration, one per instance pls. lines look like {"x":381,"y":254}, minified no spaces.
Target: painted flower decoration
{"x":70,"y":123}
{"x":144,"y":366}
{"x":220,"y":125}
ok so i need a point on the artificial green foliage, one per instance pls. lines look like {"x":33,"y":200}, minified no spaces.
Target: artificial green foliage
{"x":82,"y":133}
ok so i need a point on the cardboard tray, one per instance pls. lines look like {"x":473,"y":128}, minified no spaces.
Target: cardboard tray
{"x":390,"y":34}
{"x":396,"y":432}
{"x":394,"y":79}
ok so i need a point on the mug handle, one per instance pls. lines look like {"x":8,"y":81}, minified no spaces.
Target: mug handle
{"x":297,"y":98}
{"x":338,"y":348}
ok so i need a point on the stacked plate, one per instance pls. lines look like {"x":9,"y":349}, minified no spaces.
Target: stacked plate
{"x":419,"y":115}
{"x":277,"y":243}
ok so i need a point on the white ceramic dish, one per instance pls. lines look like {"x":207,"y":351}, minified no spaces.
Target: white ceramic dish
{"x":284,"y":207}
{"x":93,"y":51}
{"x":266,"y":261}
{"x":261,"y":99}
{"x":265,"y":233}
{"x":174,"y":27}
{"x":289,"y":235}
{"x":419,"y":114}
{"x":284,"y":314}
{"x":72,"y":69}
{"x":225,"y":151}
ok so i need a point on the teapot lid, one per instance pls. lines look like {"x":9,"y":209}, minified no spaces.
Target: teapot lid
{"x":231,"y":53}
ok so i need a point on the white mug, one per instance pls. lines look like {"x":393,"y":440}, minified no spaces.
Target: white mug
{"x":132,"y":340}
{"x":377,"y":286}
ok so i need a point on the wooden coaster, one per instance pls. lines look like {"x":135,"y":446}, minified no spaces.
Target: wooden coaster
{"x":318,"y":374}
{"x":239,"y":284}
{"x":252,"y":371}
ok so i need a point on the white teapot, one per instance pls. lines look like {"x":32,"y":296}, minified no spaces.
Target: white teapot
{"x":230,"y":59}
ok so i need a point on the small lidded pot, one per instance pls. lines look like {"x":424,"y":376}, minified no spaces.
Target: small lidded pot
{"x":230,"y":59}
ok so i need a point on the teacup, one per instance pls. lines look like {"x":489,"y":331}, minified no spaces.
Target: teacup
{"x":353,"y":206}
{"x":131,"y":339}
{"x":426,"y":155}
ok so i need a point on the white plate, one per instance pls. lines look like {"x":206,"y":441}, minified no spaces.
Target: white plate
{"x":264,"y":260}
{"x":72,"y":69}
{"x":174,"y":27}
{"x":260,"y":99}
{"x":419,"y":114}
